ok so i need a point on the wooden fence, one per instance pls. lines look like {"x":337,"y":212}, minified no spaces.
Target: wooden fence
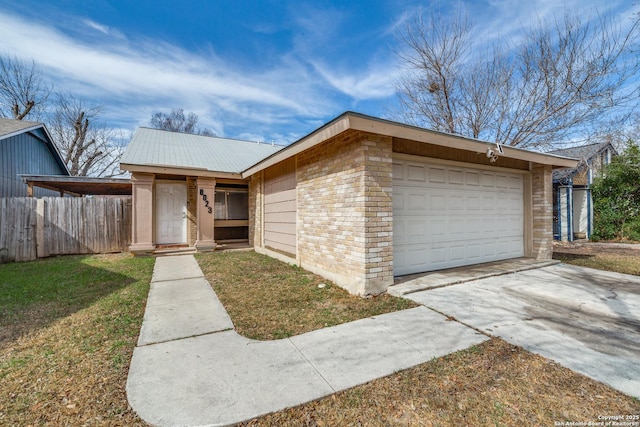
{"x":35,"y":228}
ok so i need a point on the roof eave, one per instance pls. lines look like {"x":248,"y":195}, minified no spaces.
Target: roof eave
{"x":177,"y":170}
{"x":19,"y":131}
{"x":359,"y":122}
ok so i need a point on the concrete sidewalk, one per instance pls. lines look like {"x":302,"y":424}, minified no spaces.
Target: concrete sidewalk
{"x":191,"y":368}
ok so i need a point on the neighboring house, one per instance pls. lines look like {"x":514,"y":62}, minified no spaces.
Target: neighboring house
{"x":26,"y":148}
{"x":358,"y":201}
{"x":572,"y":201}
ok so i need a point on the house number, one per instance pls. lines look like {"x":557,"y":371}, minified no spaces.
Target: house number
{"x":206,"y":200}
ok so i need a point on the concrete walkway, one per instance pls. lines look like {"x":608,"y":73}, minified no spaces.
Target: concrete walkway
{"x":191,"y":368}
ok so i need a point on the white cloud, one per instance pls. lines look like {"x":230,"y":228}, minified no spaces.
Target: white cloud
{"x":94,"y":25}
{"x":144,"y":75}
{"x":377,"y":82}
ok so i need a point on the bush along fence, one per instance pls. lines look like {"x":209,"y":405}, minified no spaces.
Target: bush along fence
{"x":36,"y":228}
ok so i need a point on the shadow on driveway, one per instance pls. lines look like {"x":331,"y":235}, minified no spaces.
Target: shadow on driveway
{"x":587,"y":320}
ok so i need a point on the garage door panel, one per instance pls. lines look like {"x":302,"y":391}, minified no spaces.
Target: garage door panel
{"x":417,"y":173}
{"x":450,"y":216}
{"x":437,"y":175}
{"x":398,"y":201}
{"x":456,"y":177}
{"x":437,"y":202}
{"x":417,"y":201}
{"x":472,"y":179}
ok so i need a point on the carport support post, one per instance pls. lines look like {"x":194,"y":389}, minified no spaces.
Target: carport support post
{"x":205,"y":222}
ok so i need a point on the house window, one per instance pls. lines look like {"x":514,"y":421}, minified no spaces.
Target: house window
{"x":231,"y":204}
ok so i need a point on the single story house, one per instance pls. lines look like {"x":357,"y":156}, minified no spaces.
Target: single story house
{"x":572,"y":200}
{"x":27,"y":148}
{"x":359,"y":200}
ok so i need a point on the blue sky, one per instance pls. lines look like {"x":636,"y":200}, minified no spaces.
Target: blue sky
{"x":258,"y":70}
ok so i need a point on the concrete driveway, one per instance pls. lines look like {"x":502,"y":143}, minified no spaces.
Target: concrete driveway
{"x":587,"y":320}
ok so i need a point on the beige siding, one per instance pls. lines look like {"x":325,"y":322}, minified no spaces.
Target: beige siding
{"x":280,"y":207}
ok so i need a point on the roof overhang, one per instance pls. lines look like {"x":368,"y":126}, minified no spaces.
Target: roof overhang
{"x":359,"y":122}
{"x":175,"y":170}
{"x":80,"y":186}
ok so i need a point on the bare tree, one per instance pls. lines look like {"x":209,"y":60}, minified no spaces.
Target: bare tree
{"x":23,"y":92}
{"x":177,"y":121}
{"x":88,"y":148}
{"x":559,"y":81}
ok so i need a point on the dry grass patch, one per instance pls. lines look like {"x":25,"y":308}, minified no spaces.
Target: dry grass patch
{"x":268,"y":299}
{"x":617,"y":259}
{"x":70,"y":325}
{"x":492,"y":384}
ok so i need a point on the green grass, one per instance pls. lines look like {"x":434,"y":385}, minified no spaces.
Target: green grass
{"x":34,"y":294}
{"x":269,"y":299}
{"x":70,"y":325}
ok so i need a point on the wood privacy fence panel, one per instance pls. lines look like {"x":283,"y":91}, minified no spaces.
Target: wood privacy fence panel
{"x":17,"y":229}
{"x":34,"y":228}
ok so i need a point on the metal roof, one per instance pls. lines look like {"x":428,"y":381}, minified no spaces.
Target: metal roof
{"x":154,"y":147}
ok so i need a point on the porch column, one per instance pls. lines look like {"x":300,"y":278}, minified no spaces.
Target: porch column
{"x":142,"y":216}
{"x":206,"y":197}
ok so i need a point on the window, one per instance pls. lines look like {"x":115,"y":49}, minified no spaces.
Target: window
{"x":231,"y":204}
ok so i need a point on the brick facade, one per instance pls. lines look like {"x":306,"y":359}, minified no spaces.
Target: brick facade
{"x":255,"y":210}
{"x":542,"y":206}
{"x":345,"y":211}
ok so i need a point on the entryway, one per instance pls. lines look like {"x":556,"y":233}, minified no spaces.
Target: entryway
{"x":171,"y":213}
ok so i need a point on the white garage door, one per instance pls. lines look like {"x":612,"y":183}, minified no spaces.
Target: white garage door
{"x":448,"y":216}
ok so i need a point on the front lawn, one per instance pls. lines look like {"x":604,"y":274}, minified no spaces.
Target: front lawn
{"x":494,"y":383}
{"x":620,"y":259}
{"x":269,"y":299}
{"x":69,"y":326}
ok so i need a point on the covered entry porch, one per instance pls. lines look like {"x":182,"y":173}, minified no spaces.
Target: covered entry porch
{"x":182,"y":212}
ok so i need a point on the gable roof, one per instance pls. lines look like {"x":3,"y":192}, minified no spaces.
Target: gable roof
{"x":12,"y":127}
{"x":583,"y":151}
{"x":584,"y":154}
{"x":361,"y":122}
{"x":150,"y":149}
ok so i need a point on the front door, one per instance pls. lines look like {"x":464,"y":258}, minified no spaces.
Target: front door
{"x":171,"y":213}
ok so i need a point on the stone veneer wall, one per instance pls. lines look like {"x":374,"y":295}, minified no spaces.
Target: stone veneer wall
{"x":255,"y":210}
{"x":542,"y":206}
{"x":345,"y":211}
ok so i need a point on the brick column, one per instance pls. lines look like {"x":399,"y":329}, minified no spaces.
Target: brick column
{"x":378,"y":213}
{"x":542,"y":204}
{"x":205,"y":201}
{"x":142,"y":217}
{"x":255,"y":209}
